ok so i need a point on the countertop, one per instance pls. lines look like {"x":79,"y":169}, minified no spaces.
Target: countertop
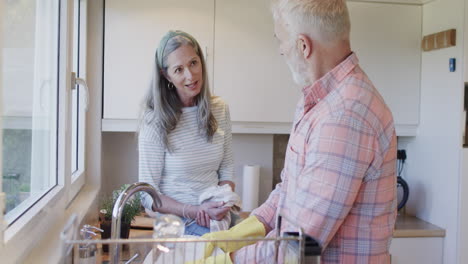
{"x":406,"y":226}
{"x":410,"y":226}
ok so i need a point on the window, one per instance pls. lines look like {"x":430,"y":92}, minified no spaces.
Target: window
{"x":35,"y":93}
{"x":30,"y":102}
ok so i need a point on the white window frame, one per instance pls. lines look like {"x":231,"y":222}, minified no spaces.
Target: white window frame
{"x":37,"y":223}
{"x":78,"y":178}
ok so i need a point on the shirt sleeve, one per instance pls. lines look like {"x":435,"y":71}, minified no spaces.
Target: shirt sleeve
{"x":150,"y":161}
{"x":267,"y":211}
{"x":226,"y":168}
{"x":338,"y":153}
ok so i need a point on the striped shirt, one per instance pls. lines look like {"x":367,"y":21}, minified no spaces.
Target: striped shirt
{"x":194,"y":164}
{"x":338,"y":182}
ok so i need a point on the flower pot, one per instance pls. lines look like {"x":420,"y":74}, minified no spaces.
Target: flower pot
{"x":106,"y":226}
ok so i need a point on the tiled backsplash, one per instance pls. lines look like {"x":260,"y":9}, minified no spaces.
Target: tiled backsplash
{"x":280,"y":143}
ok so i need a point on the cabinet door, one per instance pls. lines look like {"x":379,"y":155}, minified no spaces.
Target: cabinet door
{"x":133,"y":30}
{"x":417,"y":250}
{"x":254,"y":79}
{"x":387,"y":41}
{"x":249,"y":71}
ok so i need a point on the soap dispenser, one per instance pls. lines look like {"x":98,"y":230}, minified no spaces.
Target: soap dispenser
{"x":87,"y":252}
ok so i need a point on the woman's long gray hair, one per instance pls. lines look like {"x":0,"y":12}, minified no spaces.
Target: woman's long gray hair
{"x":162,"y":103}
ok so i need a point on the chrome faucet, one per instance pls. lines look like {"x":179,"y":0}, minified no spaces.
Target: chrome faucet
{"x":118,"y":209}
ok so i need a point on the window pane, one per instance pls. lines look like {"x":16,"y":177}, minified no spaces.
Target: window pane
{"x":78,"y":94}
{"x":30,"y":102}
{"x":76,"y":91}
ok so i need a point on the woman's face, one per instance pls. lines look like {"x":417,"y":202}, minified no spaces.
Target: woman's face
{"x":186,"y":73}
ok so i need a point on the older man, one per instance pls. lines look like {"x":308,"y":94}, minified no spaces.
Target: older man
{"x":338,"y":182}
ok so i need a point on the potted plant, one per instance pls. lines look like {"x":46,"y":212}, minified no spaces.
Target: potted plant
{"x":131,"y":209}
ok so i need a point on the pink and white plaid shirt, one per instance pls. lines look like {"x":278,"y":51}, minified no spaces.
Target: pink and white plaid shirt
{"x":339,"y":181}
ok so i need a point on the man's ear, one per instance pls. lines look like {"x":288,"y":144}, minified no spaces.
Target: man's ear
{"x":304,"y":45}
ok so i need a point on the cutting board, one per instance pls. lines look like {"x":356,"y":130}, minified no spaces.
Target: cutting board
{"x":143,"y":221}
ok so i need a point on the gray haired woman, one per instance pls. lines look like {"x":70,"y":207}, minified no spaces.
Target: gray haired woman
{"x":185,"y":135}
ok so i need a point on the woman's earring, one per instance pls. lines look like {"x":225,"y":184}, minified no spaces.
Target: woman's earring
{"x":170,"y":86}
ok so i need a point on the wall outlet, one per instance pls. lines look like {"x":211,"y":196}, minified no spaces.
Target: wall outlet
{"x":401,"y":154}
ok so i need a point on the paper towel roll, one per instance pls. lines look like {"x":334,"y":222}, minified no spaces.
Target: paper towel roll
{"x":250,"y":184}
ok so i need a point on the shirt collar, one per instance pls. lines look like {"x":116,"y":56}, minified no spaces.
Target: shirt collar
{"x":323,"y":86}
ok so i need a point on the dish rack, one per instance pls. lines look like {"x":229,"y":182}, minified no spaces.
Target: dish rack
{"x":289,"y":247}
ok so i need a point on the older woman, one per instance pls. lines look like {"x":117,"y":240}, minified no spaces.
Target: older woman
{"x":185,"y":136}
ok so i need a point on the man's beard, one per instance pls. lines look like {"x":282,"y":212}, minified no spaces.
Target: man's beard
{"x":297,"y":68}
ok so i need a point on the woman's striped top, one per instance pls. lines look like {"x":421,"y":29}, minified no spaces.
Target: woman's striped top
{"x":194,"y":164}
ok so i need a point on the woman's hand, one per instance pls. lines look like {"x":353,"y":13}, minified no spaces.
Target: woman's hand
{"x":230,"y":183}
{"x":203,"y":219}
{"x":214,"y":210}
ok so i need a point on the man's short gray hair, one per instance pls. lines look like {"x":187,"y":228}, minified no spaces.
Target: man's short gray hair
{"x":327,"y":20}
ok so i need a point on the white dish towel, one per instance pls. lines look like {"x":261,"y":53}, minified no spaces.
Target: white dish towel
{"x":224,"y":194}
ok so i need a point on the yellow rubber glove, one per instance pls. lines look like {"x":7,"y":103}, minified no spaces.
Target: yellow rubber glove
{"x":219,"y":259}
{"x":250,"y":227}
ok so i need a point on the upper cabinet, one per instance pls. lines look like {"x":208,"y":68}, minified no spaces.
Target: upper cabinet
{"x":244,"y":64}
{"x":250,"y":74}
{"x":133,"y":30}
{"x":387,"y":41}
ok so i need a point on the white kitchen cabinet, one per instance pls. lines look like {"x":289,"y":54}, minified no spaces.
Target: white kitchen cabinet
{"x":428,"y":250}
{"x":387,"y":41}
{"x":250,"y":74}
{"x":133,"y":30}
{"x":416,"y":241}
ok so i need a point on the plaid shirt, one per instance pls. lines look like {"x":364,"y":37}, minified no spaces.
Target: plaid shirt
{"x":338,"y":182}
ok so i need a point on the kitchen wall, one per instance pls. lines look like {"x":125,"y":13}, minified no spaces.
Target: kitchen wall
{"x":280,"y":143}
{"x":120,"y":160}
{"x":432,"y":168}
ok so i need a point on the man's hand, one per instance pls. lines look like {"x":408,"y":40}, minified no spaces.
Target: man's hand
{"x":250,"y":227}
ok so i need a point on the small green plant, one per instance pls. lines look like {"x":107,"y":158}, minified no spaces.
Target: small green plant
{"x":131,"y":209}
{"x":25,"y":188}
